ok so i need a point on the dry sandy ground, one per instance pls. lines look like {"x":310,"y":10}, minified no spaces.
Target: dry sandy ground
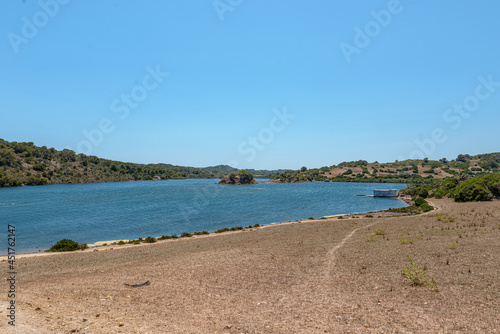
{"x":309,"y":277}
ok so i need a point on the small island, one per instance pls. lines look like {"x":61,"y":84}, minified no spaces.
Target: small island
{"x":238,"y":178}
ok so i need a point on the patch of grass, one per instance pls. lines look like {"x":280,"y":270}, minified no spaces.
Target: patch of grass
{"x":368,"y":216}
{"x":406,"y":241}
{"x":379,"y":232}
{"x":310,"y":218}
{"x":201,"y":233}
{"x":452,"y":245}
{"x":340,"y":217}
{"x":417,"y":276}
{"x":186,"y":235}
{"x":370,"y":238}
{"x":444,"y":218}
{"x":121,"y":242}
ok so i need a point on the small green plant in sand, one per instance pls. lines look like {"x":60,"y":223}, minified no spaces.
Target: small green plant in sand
{"x":417,"y":276}
{"x":420,"y":235}
{"x":406,"y":241}
{"x":186,"y":235}
{"x":121,"y":242}
{"x":370,"y":238}
{"x":104,"y":244}
{"x":452,"y":245}
{"x":444,"y":218}
{"x":368,"y":216}
{"x":379,"y":232}
{"x":311,"y":218}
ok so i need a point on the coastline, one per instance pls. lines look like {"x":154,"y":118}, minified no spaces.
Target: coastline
{"x":112,"y":244}
{"x":313,"y":276}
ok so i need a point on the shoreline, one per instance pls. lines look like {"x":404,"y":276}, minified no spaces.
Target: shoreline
{"x":111,"y":244}
{"x":329,"y":276}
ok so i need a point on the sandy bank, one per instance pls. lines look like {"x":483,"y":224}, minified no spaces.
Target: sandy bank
{"x":317,"y":277}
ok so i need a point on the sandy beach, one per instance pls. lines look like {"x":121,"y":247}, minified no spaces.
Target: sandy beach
{"x":319,"y":276}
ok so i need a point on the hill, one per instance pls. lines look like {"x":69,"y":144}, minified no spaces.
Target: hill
{"x":26,"y":164}
{"x":408,"y":171}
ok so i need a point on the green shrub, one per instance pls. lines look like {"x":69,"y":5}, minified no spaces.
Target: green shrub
{"x":150,"y":240}
{"x":482,"y":188}
{"x":419,"y":201}
{"x":186,"y":235}
{"x":379,"y":232}
{"x":64,"y":245}
{"x":121,"y":242}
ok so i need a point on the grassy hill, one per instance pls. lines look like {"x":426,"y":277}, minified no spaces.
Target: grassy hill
{"x":408,"y":171}
{"x":27,"y":164}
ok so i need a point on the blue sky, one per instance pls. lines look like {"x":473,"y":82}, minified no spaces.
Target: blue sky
{"x":256,"y":84}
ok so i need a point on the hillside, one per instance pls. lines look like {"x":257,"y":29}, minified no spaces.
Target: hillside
{"x":26,"y":164}
{"x":408,"y":171}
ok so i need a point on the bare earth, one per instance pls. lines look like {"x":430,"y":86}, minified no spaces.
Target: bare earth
{"x":309,"y":277}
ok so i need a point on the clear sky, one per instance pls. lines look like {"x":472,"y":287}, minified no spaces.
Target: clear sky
{"x":256,"y":84}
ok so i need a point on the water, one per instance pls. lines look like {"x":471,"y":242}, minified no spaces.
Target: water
{"x":88,"y":213}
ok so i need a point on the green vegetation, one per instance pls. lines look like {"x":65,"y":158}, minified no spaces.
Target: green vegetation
{"x":28,"y":165}
{"x":416,"y":172}
{"x":370,"y":238}
{"x":406,"y":241}
{"x":239,"y":177}
{"x":417,"y":276}
{"x":379,"y":232}
{"x":482,"y":188}
{"x":444,"y":218}
{"x":150,"y":240}
{"x":121,"y":242}
{"x":65,"y":245}
{"x":461,"y":188}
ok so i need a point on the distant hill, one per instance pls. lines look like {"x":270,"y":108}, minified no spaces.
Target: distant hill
{"x":27,"y":164}
{"x":408,"y":171}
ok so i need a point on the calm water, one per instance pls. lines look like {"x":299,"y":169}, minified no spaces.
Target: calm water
{"x":88,"y":213}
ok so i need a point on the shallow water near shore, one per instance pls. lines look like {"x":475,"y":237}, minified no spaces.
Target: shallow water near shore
{"x":88,"y":213}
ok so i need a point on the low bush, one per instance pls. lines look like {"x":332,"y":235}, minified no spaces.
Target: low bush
{"x":64,"y":245}
{"x":150,"y":240}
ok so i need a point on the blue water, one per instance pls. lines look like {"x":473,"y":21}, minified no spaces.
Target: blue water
{"x":88,"y":213}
